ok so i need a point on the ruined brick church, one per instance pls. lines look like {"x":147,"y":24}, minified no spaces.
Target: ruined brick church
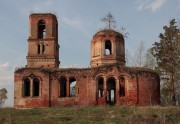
{"x":41,"y":83}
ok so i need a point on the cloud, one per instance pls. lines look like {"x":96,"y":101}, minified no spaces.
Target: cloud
{"x":153,"y":6}
{"x":142,"y":4}
{"x":6,"y":73}
{"x":156,"y":5}
{"x":75,"y":23}
{"x":5,"y":65}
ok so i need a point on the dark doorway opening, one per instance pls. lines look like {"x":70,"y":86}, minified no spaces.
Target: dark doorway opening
{"x":111,"y":91}
{"x":100,"y":87}
{"x":26,"y":87}
{"x":63,"y":81}
{"x":36,"y":87}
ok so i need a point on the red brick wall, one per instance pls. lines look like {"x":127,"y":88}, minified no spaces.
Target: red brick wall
{"x":148,"y":89}
{"x":42,"y":100}
{"x":141,"y":87}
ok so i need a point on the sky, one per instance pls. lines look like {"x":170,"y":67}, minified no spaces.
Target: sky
{"x":78,"y":21}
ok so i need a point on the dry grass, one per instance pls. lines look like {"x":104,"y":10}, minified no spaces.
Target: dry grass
{"x":97,"y":114}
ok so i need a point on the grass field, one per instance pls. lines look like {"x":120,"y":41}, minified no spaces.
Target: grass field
{"x":97,"y":114}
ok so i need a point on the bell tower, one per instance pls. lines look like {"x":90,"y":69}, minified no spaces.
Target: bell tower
{"x":43,"y":47}
{"x":107,"y":47}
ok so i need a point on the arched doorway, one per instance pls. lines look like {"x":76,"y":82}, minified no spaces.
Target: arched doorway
{"x":100,"y":87}
{"x":111,"y":91}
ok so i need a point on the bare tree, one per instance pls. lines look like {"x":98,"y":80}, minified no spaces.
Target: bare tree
{"x":150,"y":60}
{"x":109,"y":20}
{"x":3,"y":96}
{"x":124,"y":32}
{"x":142,"y":57}
{"x":139,"y":55}
{"x":128,"y":58}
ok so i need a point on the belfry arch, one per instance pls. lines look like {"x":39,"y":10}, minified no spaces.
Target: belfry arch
{"x":108,"y":47}
{"x":41,"y":29}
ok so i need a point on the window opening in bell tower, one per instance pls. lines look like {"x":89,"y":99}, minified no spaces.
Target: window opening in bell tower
{"x":108,"y":47}
{"x":41,"y":29}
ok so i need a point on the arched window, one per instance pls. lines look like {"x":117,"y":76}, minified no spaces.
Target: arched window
{"x":41,"y":29}
{"x":108,"y":47}
{"x":72,"y":87}
{"x":62,"y":92}
{"x":36,"y":87}
{"x":122,"y":86}
{"x":100,"y":87}
{"x":26,"y":88}
{"x":43,"y":48}
{"x":39,"y":48}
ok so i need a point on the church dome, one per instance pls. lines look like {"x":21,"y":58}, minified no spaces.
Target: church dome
{"x":107,"y":47}
{"x":108,"y":32}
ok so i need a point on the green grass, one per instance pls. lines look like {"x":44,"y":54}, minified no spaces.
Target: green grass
{"x":91,"y":115}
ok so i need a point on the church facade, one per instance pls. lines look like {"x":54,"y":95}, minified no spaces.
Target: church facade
{"x":41,"y":83}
